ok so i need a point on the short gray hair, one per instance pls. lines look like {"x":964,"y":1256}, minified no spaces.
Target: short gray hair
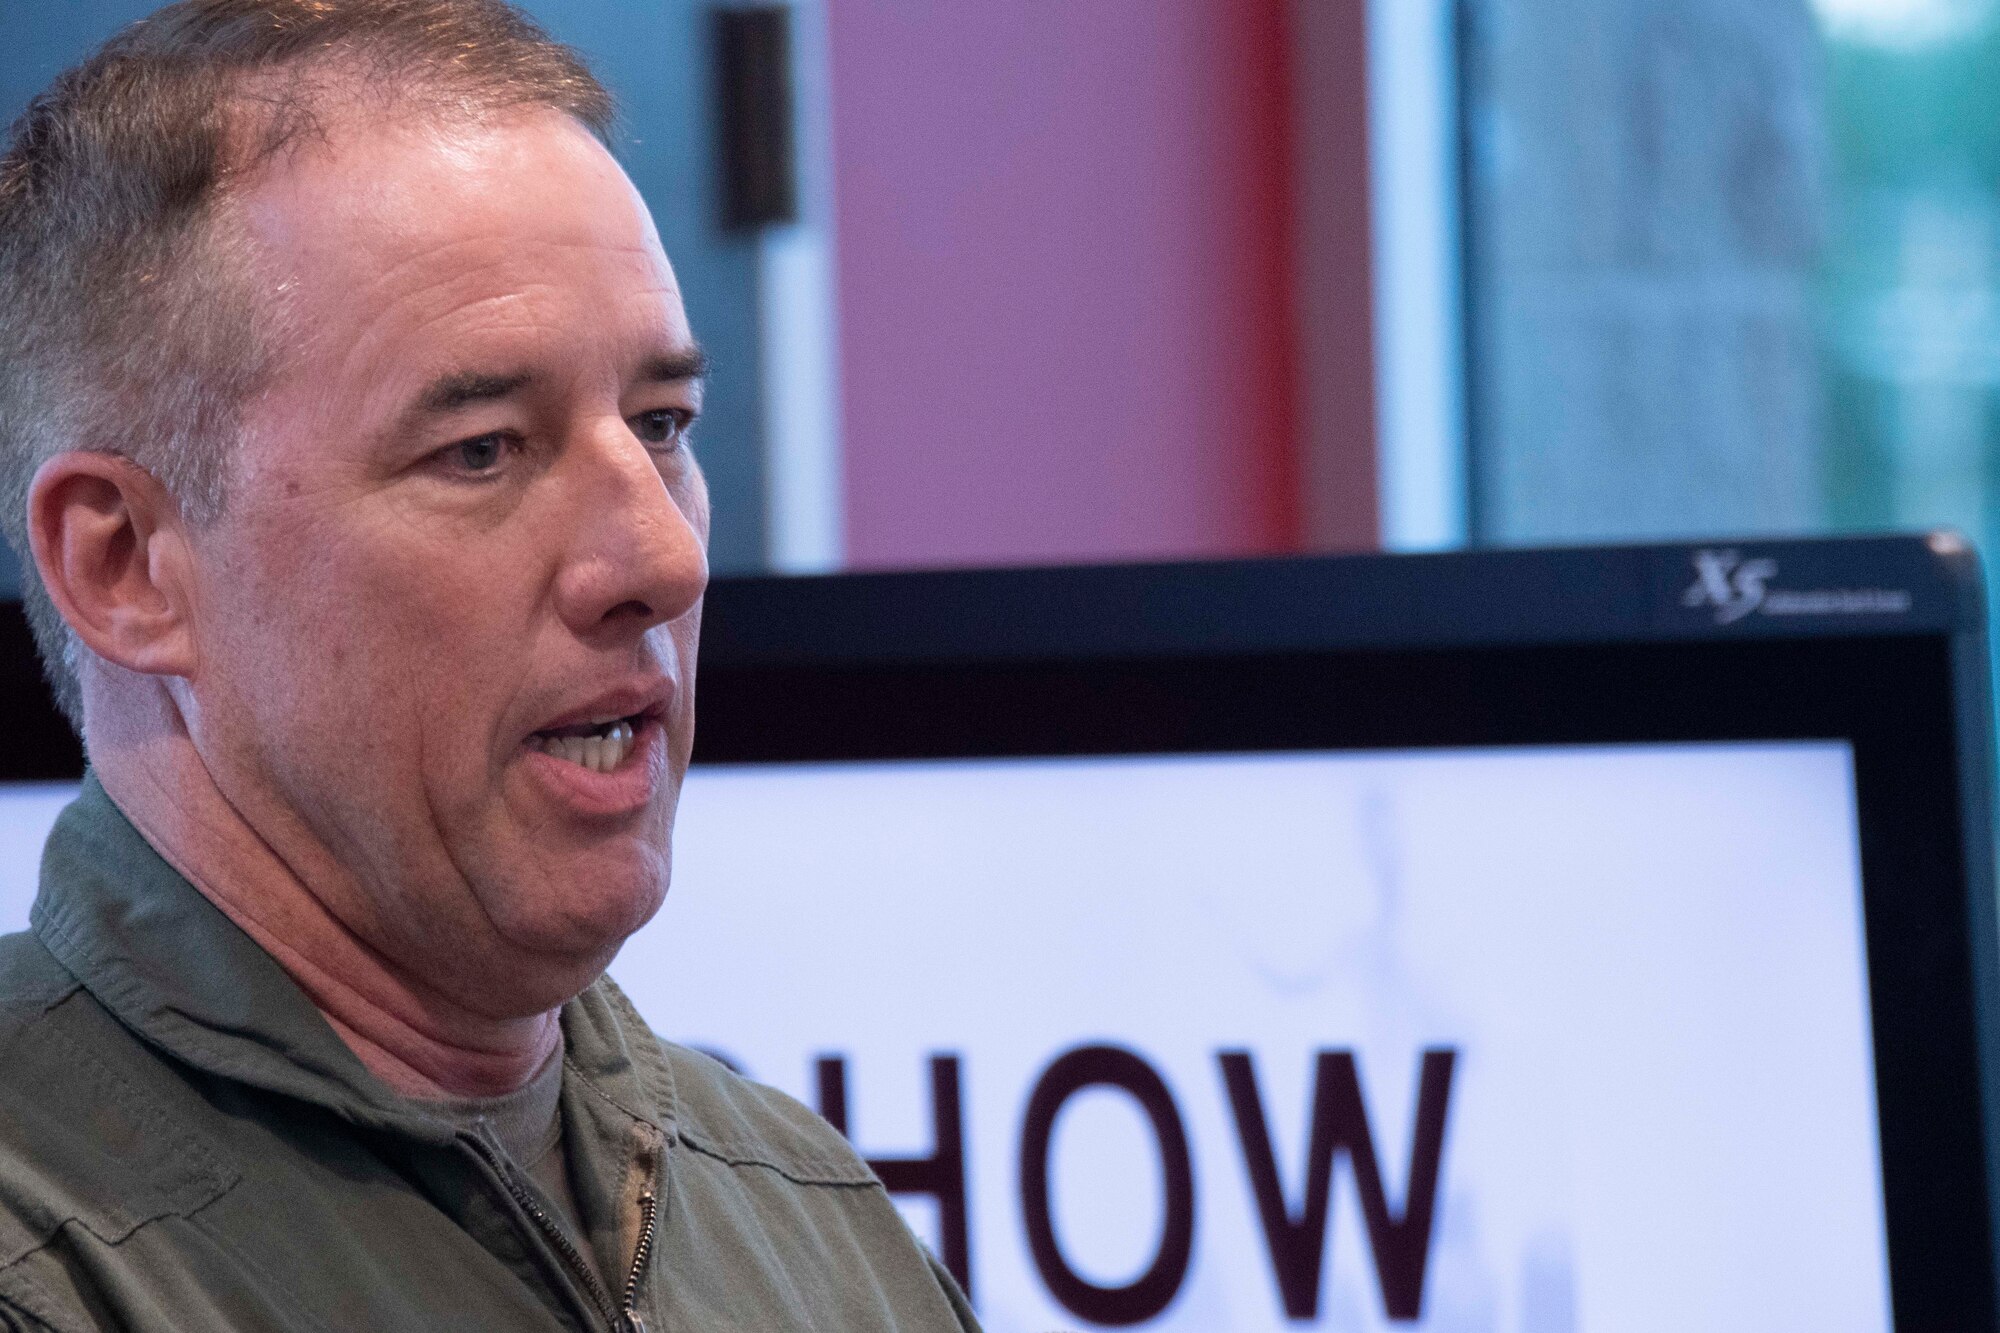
{"x":130,"y":318}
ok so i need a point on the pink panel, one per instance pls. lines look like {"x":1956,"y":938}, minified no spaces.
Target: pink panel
{"x":1064,"y":279}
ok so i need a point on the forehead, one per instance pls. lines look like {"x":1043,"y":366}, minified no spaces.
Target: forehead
{"x":381,"y":231}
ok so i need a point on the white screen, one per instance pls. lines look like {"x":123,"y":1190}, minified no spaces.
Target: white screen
{"x":27,"y":810}
{"x":1647,"y":961}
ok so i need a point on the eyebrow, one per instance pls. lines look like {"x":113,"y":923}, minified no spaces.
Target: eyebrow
{"x":689,"y":363}
{"x":456,"y":392}
{"x":467,"y":388}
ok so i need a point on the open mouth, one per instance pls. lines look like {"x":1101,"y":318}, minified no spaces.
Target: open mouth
{"x":597,"y":746}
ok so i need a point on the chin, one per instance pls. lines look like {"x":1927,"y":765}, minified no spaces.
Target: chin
{"x":583,"y":906}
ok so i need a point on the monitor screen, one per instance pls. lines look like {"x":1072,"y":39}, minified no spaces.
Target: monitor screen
{"x":28,"y":811}
{"x":1597,"y":1016}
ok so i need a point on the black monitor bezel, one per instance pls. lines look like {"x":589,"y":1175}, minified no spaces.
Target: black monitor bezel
{"x":1520,"y":649}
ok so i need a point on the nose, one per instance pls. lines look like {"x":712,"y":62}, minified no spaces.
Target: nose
{"x":637,"y":554}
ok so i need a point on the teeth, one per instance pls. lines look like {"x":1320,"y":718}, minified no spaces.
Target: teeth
{"x":599,"y":754}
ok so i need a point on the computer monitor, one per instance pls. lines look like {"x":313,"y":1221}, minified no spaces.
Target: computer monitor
{"x":1538,"y":941}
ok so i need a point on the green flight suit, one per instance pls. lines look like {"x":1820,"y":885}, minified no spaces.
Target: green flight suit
{"x":186,"y":1144}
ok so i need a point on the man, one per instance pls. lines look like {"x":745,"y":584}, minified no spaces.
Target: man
{"x":344,"y":402}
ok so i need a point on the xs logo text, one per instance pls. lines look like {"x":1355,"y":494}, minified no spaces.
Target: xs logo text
{"x":1732,"y":585}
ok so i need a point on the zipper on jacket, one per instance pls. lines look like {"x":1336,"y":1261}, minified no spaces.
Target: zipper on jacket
{"x":623,"y":1318}
{"x":649,"y":1217}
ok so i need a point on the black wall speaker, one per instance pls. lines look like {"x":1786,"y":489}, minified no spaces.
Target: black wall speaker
{"x":753,"y":49}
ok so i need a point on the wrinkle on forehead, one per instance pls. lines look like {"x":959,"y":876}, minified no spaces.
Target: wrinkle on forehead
{"x":388,"y":228}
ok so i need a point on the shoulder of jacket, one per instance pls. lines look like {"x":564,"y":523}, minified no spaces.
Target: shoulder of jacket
{"x":94,"y":1125}
{"x":31,"y":981}
{"x":14,"y":1319}
{"x":727,"y":1116}
{"x":712,"y":1109}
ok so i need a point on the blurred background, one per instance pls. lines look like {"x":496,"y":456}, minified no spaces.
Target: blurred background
{"x":1034,"y":281}
{"x":1080,"y":280}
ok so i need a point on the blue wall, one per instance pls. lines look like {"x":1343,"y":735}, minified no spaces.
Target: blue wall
{"x":655,"y":57}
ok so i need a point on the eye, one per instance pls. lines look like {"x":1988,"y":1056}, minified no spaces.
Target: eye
{"x":481,"y":454}
{"x":664,"y":429}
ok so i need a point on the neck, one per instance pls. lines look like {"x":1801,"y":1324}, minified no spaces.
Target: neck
{"x":412,"y":1035}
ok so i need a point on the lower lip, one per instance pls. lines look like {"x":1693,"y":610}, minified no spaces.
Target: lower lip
{"x":625,"y":790}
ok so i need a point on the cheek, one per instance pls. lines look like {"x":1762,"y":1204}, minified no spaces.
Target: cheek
{"x":695,"y":503}
{"x":678,"y":643}
{"x":341,"y":631}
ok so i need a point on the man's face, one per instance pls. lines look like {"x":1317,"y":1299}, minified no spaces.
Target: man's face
{"x":446,"y":626}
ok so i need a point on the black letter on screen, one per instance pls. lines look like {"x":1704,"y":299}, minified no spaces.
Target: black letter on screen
{"x":1340,"y":1124}
{"x":1154,"y":1289}
{"x":941,"y":1175}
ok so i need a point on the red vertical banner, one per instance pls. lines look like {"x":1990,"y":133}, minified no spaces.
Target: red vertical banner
{"x":1339,"y":493}
{"x":1069,"y":278}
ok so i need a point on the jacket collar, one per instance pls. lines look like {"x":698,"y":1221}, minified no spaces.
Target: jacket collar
{"x":178,"y":972}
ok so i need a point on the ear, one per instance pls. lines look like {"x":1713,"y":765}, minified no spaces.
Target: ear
{"x":108,"y":542}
